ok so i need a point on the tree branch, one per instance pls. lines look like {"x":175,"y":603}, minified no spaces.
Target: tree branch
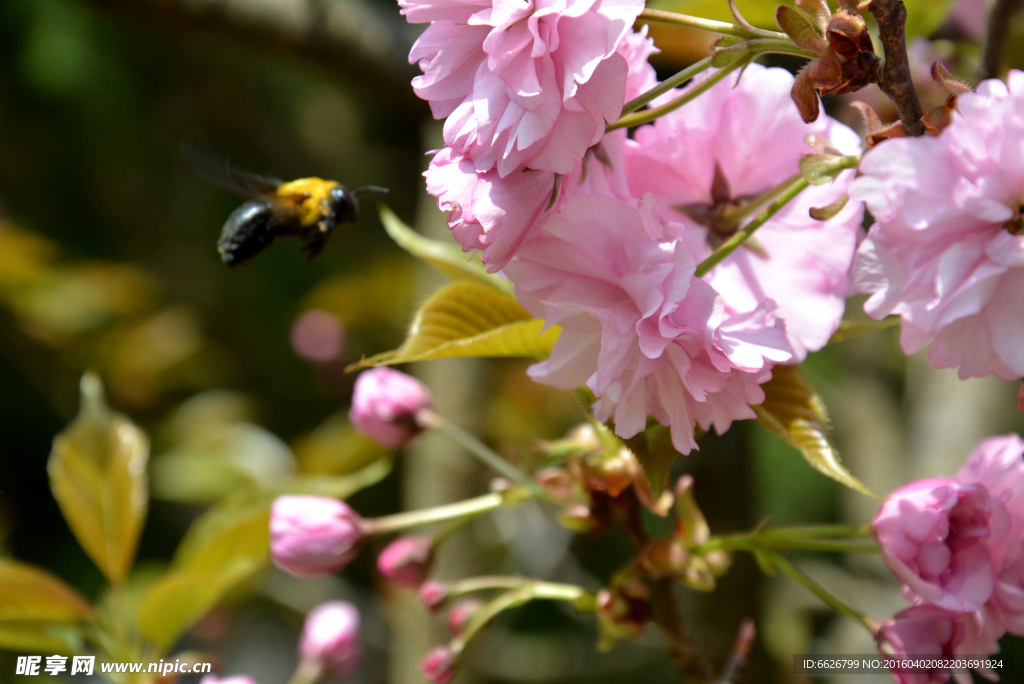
{"x":998,"y":32}
{"x":895,"y":80}
{"x":334,"y":35}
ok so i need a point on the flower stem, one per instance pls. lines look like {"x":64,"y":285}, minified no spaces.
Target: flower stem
{"x":791,"y":571}
{"x":487,"y":455}
{"x":665,"y":86}
{"x":793,"y":188}
{"x":648,"y":115}
{"x":703,"y":24}
{"x":463,"y":509}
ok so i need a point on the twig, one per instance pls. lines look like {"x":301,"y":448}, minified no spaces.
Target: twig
{"x":998,"y":32}
{"x":895,"y":80}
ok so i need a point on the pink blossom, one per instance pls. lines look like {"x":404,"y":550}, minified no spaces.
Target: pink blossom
{"x":937,"y":537}
{"x":461,"y":613}
{"x":433,"y":594}
{"x":997,"y":464}
{"x":522,"y":84}
{"x":407,"y":560}
{"x":645,"y":335}
{"x":330,"y":638}
{"x":493,"y":214}
{"x":311,"y":536}
{"x":923,"y":630}
{"x":385,"y":405}
{"x":947,"y":252}
{"x":750,"y":137}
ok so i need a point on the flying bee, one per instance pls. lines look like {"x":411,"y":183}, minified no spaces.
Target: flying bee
{"x":307,"y":209}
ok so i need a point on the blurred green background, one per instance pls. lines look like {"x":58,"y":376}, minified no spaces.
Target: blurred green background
{"x":108,"y":262}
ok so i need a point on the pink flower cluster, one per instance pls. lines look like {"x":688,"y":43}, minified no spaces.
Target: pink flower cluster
{"x":605,"y":241}
{"x":957,"y":544}
{"x":947,"y":251}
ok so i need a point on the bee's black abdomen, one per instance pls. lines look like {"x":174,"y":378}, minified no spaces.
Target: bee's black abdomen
{"x":245,"y":233}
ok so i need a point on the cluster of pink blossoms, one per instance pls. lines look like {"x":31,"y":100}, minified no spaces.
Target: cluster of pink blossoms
{"x":957,"y":544}
{"x":947,"y":251}
{"x":602,"y":234}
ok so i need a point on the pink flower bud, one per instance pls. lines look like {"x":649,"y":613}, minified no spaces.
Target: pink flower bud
{"x":385,"y":405}
{"x":311,"y":536}
{"x":433,"y":594}
{"x":936,"y":536}
{"x":922,"y":631}
{"x":407,"y":560}
{"x":460,"y":614}
{"x":438,"y":665}
{"x":330,"y":638}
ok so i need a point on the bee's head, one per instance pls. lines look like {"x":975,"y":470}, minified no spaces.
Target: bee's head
{"x":344,"y":207}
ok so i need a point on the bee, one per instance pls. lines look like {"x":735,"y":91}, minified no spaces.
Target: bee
{"x":306,"y":209}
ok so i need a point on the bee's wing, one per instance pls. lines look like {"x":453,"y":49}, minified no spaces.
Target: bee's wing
{"x":228,"y":173}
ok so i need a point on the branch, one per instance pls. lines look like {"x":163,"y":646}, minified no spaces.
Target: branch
{"x":316,"y":31}
{"x":998,"y":32}
{"x":895,"y":80}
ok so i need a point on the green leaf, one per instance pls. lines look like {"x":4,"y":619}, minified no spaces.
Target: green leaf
{"x":39,"y":637}
{"x":798,"y":27}
{"x":446,"y":258}
{"x":98,"y":476}
{"x":854,"y":328}
{"x":178,"y":600}
{"x":30,"y":593}
{"x":466,"y":318}
{"x":794,"y":412}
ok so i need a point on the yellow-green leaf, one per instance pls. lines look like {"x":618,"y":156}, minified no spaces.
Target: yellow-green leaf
{"x":30,"y":593}
{"x":466,"y":318}
{"x":178,"y":600}
{"x":98,"y":476}
{"x":795,"y":412}
{"x":446,"y":258}
{"x":39,"y":637}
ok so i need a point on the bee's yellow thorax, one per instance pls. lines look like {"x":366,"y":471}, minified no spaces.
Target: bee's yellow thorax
{"x":311,"y":195}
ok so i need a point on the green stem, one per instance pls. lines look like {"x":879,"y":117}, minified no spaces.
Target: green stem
{"x":738,"y":215}
{"x":816,"y":531}
{"x":665,"y":86}
{"x":648,"y":115}
{"x":486,"y":455}
{"x":733,"y":243}
{"x":809,"y":537}
{"x":463,"y":509}
{"x":791,"y":571}
{"x":827,"y":546}
{"x":703,"y":24}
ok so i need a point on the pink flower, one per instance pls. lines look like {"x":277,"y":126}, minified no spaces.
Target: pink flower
{"x":311,"y":536}
{"x":924,"y":630}
{"x":438,"y":665}
{"x":493,"y":214}
{"x":461,"y":613}
{"x":433,"y":594}
{"x":330,"y":638}
{"x":947,"y":252}
{"x":728,"y":146}
{"x":638,"y":328}
{"x":385,"y":405}
{"x":407,"y":560}
{"x":522,"y":83}
{"x":997,"y":464}
{"x":937,"y":537}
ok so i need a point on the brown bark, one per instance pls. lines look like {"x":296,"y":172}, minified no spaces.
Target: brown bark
{"x":894,"y":79}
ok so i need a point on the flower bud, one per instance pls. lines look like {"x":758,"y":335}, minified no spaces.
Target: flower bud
{"x":577,"y":519}
{"x":311,"y":536}
{"x":330,"y":638}
{"x":556,"y":482}
{"x":460,"y":614}
{"x":407,"y":560}
{"x":438,"y":665}
{"x":385,"y":405}
{"x":433,"y":594}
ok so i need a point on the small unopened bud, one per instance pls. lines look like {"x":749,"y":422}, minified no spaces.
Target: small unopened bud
{"x":698,"y":575}
{"x":460,"y":614}
{"x":577,"y":519}
{"x":556,"y":482}
{"x":438,"y":665}
{"x":386,"y":405}
{"x":433,"y":594}
{"x":330,"y":639}
{"x":407,"y":560}
{"x":664,"y":558}
{"x":311,"y":536}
